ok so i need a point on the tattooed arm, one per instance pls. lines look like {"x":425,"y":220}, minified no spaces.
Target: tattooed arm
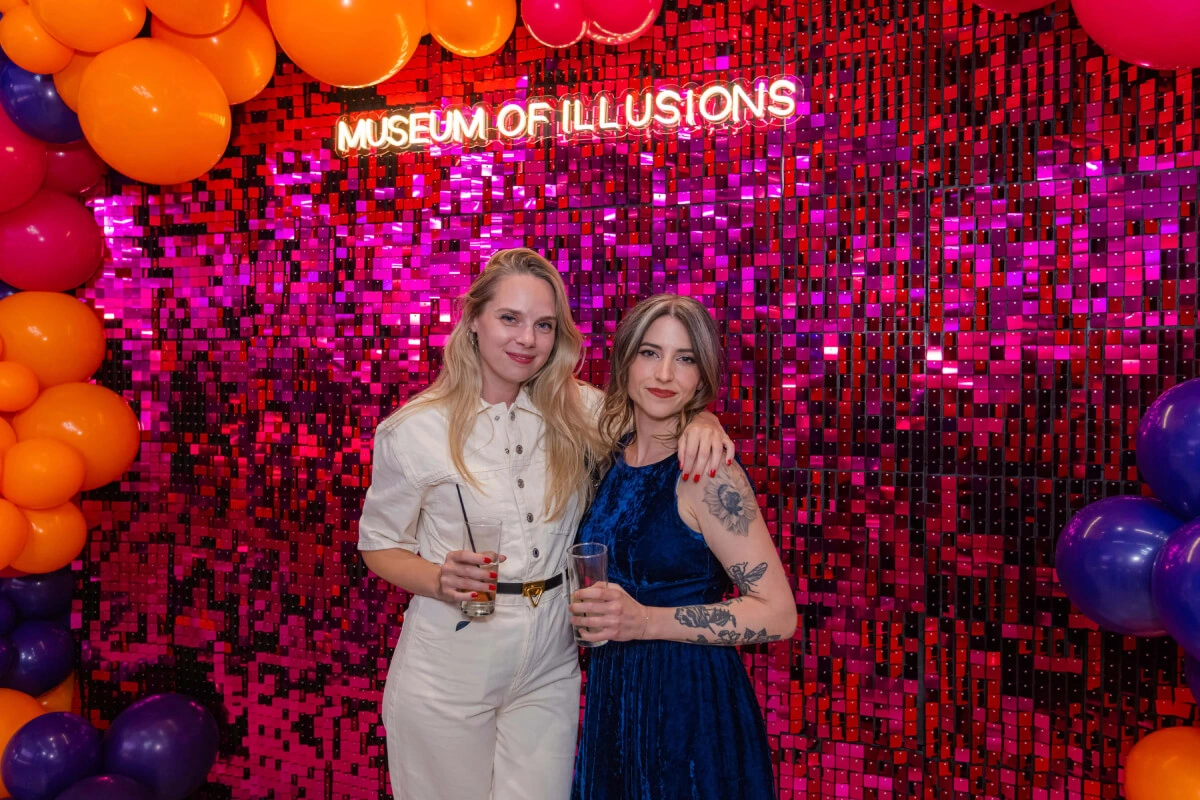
{"x":725,"y":511}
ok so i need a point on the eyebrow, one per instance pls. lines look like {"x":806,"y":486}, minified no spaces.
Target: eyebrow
{"x":515,"y":313}
{"x":659,"y":347}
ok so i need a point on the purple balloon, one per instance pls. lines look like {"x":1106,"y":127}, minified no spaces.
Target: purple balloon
{"x":32,"y":102}
{"x":1168,"y":448}
{"x":45,"y":656}
{"x":49,"y":754}
{"x":8,"y":657}
{"x":106,"y":787}
{"x":6,"y":290}
{"x":1177,"y":587}
{"x":168,"y":742}
{"x":8,"y":615}
{"x":1105,"y":559}
{"x":45,"y":596}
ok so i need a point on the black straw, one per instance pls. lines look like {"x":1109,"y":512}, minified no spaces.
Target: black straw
{"x":463,"y":506}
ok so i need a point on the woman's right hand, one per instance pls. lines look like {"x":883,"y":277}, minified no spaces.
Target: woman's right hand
{"x":464,"y":574}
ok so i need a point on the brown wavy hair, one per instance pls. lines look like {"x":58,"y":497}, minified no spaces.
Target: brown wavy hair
{"x":616,"y":416}
{"x":570,"y":439}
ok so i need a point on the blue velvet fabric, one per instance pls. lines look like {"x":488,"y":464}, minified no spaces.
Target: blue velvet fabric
{"x":664,"y":720}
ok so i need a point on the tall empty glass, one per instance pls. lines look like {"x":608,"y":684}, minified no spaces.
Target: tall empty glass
{"x":588,"y":565}
{"x":482,"y":535}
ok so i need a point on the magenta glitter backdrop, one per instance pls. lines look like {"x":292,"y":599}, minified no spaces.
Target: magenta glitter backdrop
{"x":949,"y":293}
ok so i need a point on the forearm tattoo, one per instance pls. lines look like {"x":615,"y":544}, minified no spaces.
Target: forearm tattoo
{"x":720,"y":621}
{"x":745,"y":580}
{"x":730,"y":499}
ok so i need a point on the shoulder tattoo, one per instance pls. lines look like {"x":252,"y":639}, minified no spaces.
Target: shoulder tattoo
{"x":730,"y":499}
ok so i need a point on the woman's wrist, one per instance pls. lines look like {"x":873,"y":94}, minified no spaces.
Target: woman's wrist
{"x":645,"y":634}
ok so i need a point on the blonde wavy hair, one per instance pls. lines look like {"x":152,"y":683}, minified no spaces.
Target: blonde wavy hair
{"x":570,"y":439}
{"x":616,"y":416}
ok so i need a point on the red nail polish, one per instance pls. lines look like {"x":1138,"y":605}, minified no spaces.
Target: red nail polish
{"x":697,"y":479}
{"x":492,"y":574}
{"x":492,"y":586}
{"x":712,"y":473}
{"x":487,"y":560}
{"x":474,"y":594}
{"x":728,"y":461}
{"x":686,"y":476}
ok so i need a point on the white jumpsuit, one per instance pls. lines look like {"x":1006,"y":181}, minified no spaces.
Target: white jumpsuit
{"x":489,"y":709}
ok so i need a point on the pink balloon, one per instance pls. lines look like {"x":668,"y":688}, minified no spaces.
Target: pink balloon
{"x":1012,"y":6}
{"x":1160,"y":34}
{"x":619,"y":21}
{"x":74,"y":168}
{"x":50,"y":244}
{"x":554,"y":23}
{"x":22,"y":165}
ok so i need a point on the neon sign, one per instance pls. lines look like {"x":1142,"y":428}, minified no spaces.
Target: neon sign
{"x":763,"y":101}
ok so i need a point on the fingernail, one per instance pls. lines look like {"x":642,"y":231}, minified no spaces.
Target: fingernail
{"x":492,"y":586}
{"x":728,"y":461}
{"x":686,"y":476}
{"x":696,"y":479}
{"x":474,"y":594}
{"x":487,"y":560}
{"x":491,"y":574}
{"x":712,"y":473}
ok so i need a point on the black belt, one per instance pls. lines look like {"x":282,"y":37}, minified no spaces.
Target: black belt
{"x":531,"y":589}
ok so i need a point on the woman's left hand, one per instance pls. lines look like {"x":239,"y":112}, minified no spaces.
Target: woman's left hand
{"x":704,"y":447}
{"x":612,"y":615}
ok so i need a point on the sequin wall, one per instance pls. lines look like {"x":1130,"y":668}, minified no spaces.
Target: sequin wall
{"x":949,"y":291}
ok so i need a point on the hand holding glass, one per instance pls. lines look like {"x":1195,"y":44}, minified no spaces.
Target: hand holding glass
{"x":588,"y":564}
{"x":482,"y":536}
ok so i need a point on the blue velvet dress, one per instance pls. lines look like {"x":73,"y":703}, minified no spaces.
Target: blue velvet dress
{"x":664,"y":720}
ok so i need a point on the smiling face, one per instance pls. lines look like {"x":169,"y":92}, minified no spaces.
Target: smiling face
{"x":516,"y":329}
{"x":663,"y":375}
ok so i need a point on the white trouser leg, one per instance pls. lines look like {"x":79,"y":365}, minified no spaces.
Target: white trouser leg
{"x":537,"y":726}
{"x":499,"y":697}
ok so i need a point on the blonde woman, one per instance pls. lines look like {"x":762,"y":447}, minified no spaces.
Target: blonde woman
{"x":670,"y":712}
{"x":488,"y":708}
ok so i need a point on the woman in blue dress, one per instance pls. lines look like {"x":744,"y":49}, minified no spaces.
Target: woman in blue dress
{"x":669,"y":710}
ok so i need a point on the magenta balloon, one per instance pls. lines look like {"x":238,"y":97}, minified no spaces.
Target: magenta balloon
{"x":619,"y":21}
{"x":50,"y":244}
{"x":554,"y":23}
{"x":73,"y":168}
{"x":1012,"y":6}
{"x":1160,"y":34}
{"x":22,"y":165}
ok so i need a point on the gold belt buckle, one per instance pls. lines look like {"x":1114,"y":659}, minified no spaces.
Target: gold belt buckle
{"x":533,"y":590}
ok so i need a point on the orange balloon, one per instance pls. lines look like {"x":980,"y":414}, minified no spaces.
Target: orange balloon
{"x":61,"y":697}
{"x":195,"y":17}
{"x":472,"y":28}
{"x":91,"y":25}
{"x":28,"y":44}
{"x":56,"y":536}
{"x":41,"y":473}
{"x":16,"y":708}
{"x":9,"y":5}
{"x":8,"y":437}
{"x":14,"y":533}
{"x":1164,"y":766}
{"x":67,"y":80}
{"x":348,"y":42}
{"x":18,"y":386}
{"x":154,"y":112}
{"x":95,"y":421}
{"x":55,"y":335}
{"x":241,"y":56}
